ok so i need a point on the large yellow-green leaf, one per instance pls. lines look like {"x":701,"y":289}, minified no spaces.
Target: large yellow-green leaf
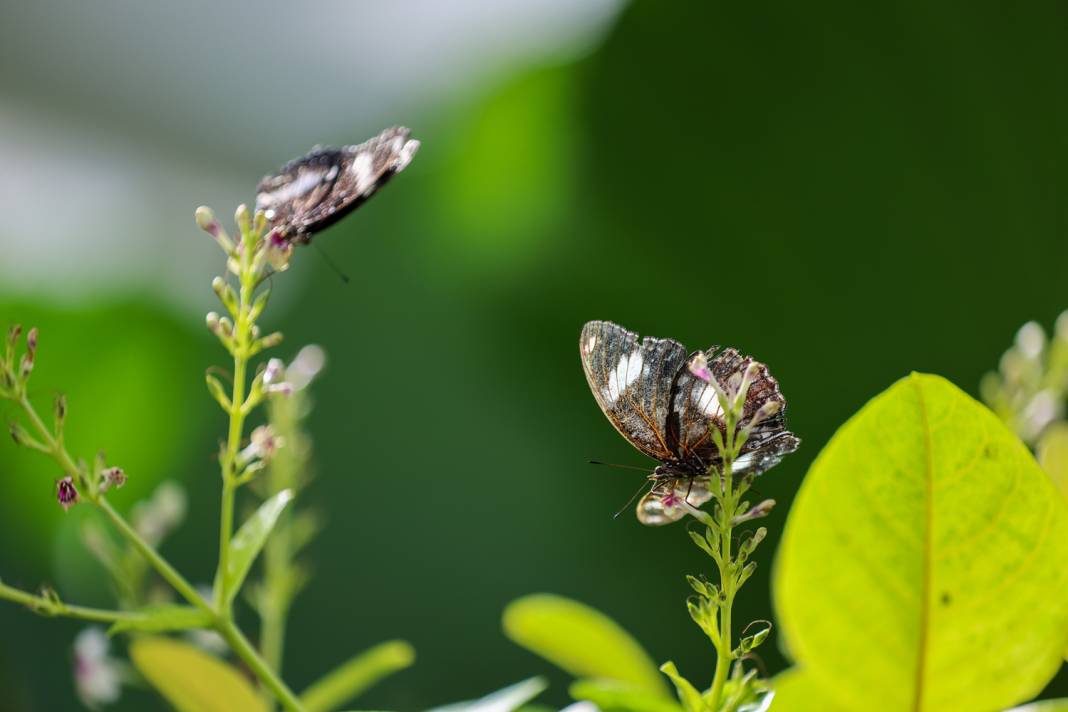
{"x":191,"y":680}
{"x":582,"y":641}
{"x":925,"y":561}
{"x":795,"y":691}
{"x":1053,"y":456}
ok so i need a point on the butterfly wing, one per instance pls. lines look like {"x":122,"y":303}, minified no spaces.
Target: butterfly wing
{"x":695,"y":407}
{"x":313,"y":192}
{"x":632,"y":382}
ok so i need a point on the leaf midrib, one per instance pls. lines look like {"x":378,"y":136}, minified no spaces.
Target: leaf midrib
{"x":925,"y":590}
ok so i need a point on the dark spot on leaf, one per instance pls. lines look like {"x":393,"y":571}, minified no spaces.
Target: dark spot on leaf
{"x":946,"y":600}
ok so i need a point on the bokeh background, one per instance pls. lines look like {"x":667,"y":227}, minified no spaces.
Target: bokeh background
{"x":847,"y":191}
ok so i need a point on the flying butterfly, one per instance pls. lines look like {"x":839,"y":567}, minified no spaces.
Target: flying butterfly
{"x":311,"y":193}
{"x":647,"y":392}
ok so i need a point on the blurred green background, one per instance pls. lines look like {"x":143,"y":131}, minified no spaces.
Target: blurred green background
{"x":846,"y":191}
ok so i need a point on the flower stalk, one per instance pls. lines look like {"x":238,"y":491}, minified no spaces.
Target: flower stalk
{"x":713,"y":607}
{"x":247,"y":259}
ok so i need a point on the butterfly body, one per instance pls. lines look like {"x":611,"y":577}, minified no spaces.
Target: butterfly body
{"x":313,"y":192}
{"x":646,"y":391}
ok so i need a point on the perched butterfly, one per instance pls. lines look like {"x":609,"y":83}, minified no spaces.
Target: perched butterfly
{"x":311,"y":193}
{"x":652,"y":399}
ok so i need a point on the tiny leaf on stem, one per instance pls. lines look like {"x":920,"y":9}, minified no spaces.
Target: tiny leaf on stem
{"x":248,"y":542}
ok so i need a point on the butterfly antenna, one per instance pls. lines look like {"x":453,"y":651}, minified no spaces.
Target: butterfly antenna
{"x":621,"y":467}
{"x":629,"y":501}
{"x":330,"y":263}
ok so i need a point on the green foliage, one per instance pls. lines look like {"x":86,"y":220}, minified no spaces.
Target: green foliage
{"x":691,"y":698}
{"x":248,"y":542}
{"x":507,"y":700}
{"x":610,"y":695}
{"x":1053,"y":455}
{"x":158,"y":619}
{"x":131,"y":371}
{"x":357,"y":675}
{"x":191,"y":680}
{"x":924,"y":562}
{"x":582,"y":641}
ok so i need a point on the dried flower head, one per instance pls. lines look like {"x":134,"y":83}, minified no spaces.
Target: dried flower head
{"x":66,"y":493}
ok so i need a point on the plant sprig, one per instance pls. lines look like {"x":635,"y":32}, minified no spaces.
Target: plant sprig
{"x":251,"y":258}
{"x":712,"y":606}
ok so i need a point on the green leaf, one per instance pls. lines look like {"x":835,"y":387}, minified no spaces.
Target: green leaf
{"x":249,"y":540}
{"x":1053,"y":456}
{"x":582,"y":641}
{"x":925,"y":560}
{"x":796,"y":691}
{"x":1060,"y":705}
{"x":507,"y":700}
{"x":191,"y":680}
{"x":690,"y":696}
{"x":357,"y":675}
{"x":611,"y":695}
{"x":157,"y":619}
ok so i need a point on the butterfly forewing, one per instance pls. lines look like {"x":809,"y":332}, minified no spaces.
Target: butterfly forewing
{"x":315,"y":191}
{"x":632,"y":381}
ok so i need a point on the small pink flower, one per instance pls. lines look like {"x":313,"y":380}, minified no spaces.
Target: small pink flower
{"x":66,"y":493}
{"x":698,"y":366}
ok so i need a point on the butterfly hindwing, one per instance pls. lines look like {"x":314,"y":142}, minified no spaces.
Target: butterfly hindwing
{"x":632,"y":382}
{"x":313,"y":192}
{"x":695,"y":408}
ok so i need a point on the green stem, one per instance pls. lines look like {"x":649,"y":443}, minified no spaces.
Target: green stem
{"x":728,"y":569}
{"x":248,"y":654}
{"x":52,"y":607}
{"x":242,"y":338}
{"x":727,"y":580}
{"x":66,"y":462}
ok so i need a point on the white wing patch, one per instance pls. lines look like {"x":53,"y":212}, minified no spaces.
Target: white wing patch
{"x":362,"y":166}
{"x":623,"y":375}
{"x":707,"y":402}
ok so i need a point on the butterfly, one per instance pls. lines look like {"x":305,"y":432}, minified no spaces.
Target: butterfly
{"x":654,"y":401}
{"x":311,"y":193}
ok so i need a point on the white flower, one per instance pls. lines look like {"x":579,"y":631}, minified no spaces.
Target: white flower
{"x":97,"y":675}
{"x":306,"y":366}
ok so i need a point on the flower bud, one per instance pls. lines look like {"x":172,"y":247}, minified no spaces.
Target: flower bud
{"x":66,"y":493}
{"x":760,"y":510}
{"x":26,"y":366}
{"x":60,"y":410}
{"x":31,"y":341}
{"x":225,"y":293}
{"x":212,"y":322}
{"x":206,"y":221}
{"x":13,"y":334}
{"x":765,"y":411}
{"x":698,"y":366}
{"x":18,"y":434}
{"x":226,"y":327}
{"x":243,"y":218}
{"x":112,"y":477}
{"x":271,"y":340}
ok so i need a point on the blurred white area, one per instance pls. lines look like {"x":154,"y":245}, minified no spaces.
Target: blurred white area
{"x":118,"y":118}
